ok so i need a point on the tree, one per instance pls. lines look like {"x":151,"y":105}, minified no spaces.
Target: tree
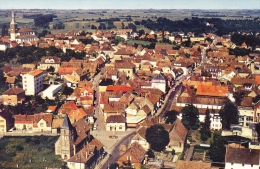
{"x":229,"y":115}
{"x":207,"y":122}
{"x":217,"y":149}
{"x":150,"y":153}
{"x":59,"y":25}
{"x":190,"y":117}
{"x":170,"y":116}
{"x":119,"y":39}
{"x":4,"y":30}
{"x":67,"y":91}
{"x":205,"y":130}
{"x":113,"y":166}
{"x":157,"y":137}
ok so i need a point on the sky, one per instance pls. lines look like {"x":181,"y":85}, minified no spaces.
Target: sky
{"x":129,"y":4}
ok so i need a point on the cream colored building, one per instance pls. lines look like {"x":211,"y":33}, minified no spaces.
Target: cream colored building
{"x":32,"y":82}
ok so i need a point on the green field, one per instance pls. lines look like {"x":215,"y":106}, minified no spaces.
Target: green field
{"x":28,"y":152}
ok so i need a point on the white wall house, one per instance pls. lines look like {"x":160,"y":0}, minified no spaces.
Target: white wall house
{"x":32,"y":82}
{"x":159,"y":82}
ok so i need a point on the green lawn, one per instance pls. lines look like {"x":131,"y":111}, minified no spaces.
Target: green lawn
{"x":141,"y":42}
{"x":28,"y":152}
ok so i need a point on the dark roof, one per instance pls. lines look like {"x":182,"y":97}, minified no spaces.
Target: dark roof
{"x":66,"y":123}
{"x":106,"y":82}
{"x":116,"y":119}
{"x":242,"y":155}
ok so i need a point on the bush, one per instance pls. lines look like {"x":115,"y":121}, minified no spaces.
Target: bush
{"x":19,"y":148}
{"x":150,"y":153}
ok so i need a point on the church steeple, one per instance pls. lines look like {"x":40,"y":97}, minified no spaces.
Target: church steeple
{"x":13,"y":18}
{"x":13,"y":27}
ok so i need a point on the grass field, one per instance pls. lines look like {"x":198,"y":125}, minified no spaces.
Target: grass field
{"x":28,"y":152}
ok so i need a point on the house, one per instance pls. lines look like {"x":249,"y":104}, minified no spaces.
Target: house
{"x":85,"y":158}
{"x":116,"y":123}
{"x":6,"y":121}
{"x":242,"y":158}
{"x":159,"y":82}
{"x":246,"y":111}
{"x":140,"y":138}
{"x":34,"y":123}
{"x":13,"y":96}
{"x":135,"y":155}
{"x":125,"y":66}
{"x":23,"y":122}
{"x":192,"y":165}
{"x":99,"y":147}
{"x":48,"y":62}
{"x":42,"y":122}
{"x":67,"y":107}
{"x":177,"y":134}
{"x":113,"y":108}
{"x":32,"y":82}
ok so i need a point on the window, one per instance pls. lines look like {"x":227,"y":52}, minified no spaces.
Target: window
{"x":41,"y":124}
{"x":120,"y":127}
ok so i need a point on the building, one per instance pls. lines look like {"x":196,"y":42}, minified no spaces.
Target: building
{"x":132,"y":157}
{"x":13,"y":96}
{"x":49,"y":61}
{"x":21,"y":35}
{"x":239,"y":158}
{"x":159,"y":82}
{"x":73,"y":138}
{"x":178,"y":134}
{"x":6,"y":121}
{"x":116,"y":123}
{"x":32,"y":82}
{"x":51,"y":91}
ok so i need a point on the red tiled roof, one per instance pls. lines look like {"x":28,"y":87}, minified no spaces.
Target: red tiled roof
{"x":121,"y":88}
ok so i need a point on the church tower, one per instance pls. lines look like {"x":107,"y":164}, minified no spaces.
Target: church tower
{"x":13,"y":27}
{"x":65,"y":144}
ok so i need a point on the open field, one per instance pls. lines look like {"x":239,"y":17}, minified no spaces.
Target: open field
{"x":28,"y":152}
{"x":82,"y":19}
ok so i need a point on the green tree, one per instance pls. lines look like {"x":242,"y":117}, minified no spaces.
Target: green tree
{"x":229,"y":115}
{"x":190,"y":117}
{"x":4,"y":30}
{"x":118,"y":39}
{"x":150,"y":153}
{"x":157,"y":137}
{"x":59,"y":25}
{"x":170,"y":116}
{"x":207,"y":122}
{"x":205,"y":130}
{"x":67,"y":91}
{"x":217,"y":149}
{"x":113,"y":166}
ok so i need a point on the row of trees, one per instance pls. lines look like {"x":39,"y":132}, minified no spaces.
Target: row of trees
{"x":34,"y":54}
{"x":198,"y":25}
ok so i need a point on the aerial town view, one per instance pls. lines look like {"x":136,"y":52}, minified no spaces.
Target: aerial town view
{"x":129,"y":84}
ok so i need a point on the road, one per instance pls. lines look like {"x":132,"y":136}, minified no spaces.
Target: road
{"x":100,"y":123}
{"x":169,"y":99}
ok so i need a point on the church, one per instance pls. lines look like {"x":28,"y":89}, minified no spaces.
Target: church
{"x":21,"y":35}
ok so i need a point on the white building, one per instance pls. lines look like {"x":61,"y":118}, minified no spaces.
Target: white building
{"x":32,"y":82}
{"x":21,"y":35}
{"x":51,"y":91}
{"x":159,"y":82}
{"x":116,"y":123}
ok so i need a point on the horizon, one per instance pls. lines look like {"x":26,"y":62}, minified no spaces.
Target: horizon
{"x":131,"y":5}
